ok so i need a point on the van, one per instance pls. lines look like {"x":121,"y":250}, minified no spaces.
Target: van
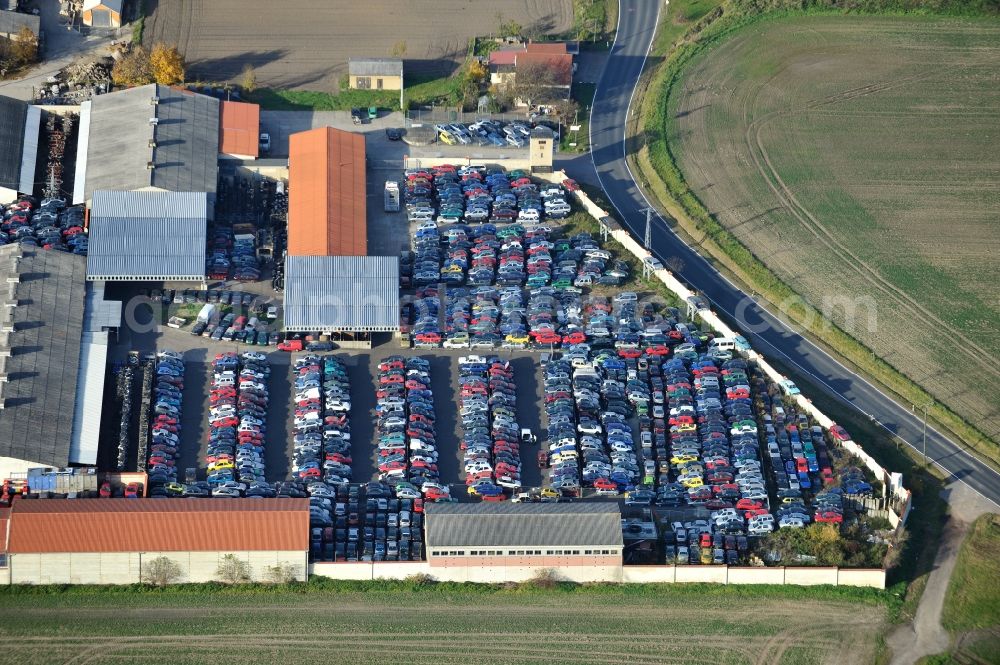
{"x":722,"y":344}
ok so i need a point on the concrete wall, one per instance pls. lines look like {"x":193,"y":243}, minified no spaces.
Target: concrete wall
{"x":126,"y":567}
{"x":496,"y":574}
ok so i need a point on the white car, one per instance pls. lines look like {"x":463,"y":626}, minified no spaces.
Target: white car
{"x":254,"y":355}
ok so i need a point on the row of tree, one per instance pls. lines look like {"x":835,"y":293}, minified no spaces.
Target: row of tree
{"x":164,"y":571}
{"x":162,"y":64}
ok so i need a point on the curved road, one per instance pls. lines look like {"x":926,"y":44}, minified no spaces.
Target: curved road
{"x":613,"y":99}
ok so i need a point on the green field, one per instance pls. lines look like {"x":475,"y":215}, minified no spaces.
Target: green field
{"x":973,"y":599}
{"x":388,"y":623}
{"x":858,"y":158}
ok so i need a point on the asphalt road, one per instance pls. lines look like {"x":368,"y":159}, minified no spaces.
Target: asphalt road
{"x":612,"y":105}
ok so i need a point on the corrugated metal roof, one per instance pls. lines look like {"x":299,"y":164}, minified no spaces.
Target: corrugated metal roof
{"x":36,"y":423}
{"x":239,"y":129}
{"x":327,"y":207}
{"x":100,"y":314}
{"x":147,"y":235}
{"x":29,"y":151}
{"x":341,"y":293}
{"x":185,"y":135}
{"x":12,"y":22}
{"x":159,"y":525}
{"x":89,"y":398}
{"x":516,"y":525}
{"x":13,"y":113}
{"x":375,"y":67}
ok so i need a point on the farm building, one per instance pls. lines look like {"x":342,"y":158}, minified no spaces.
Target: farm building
{"x":153,"y":137}
{"x":19,"y":125}
{"x":553,"y":61}
{"x":239,"y":130}
{"x":115,"y":541}
{"x":50,"y":338}
{"x":11,"y":23}
{"x":102,"y":13}
{"x":375,"y":73}
{"x":517,"y":535}
{"x":147,"y":236}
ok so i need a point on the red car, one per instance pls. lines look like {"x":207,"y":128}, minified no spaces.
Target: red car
{"x":418,"y":505}
{"x":571,"y":185}
{"x":105,"y":490}
{"x":495,"y":498}
{"x":748,"y":504}
{"x":839,"y":433}
{"x":605,"y":484}
{"x":629,"y":353}
{"x":290,"y":345}
{"x":830,"y":517}
{"x":132,"y":491}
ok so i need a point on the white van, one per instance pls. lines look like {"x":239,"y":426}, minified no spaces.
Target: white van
{"x":722,"y":344}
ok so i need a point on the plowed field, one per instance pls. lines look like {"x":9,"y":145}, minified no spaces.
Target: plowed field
{"x":859,"y":158}
{"x":599,"y":626}
{"x":305,"y":44}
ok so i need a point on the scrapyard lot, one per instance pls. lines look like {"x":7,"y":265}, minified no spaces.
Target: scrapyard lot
{"x":289,"y":50}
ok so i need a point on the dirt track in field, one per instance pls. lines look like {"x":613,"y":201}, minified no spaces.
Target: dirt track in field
{"x":305,"y":44}
{"x":854,"y":157}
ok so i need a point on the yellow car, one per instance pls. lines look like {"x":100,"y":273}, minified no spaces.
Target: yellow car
{"x":684,"y":427}
{"x":706,"y":556}
{"x":549,"y":493}
{"x":221,"y":464}
{"x":174,"y":488}
{"x":683,"y":459}
{"x":516,"y":339}
{"x":692,"y":482}
{"x":445,"y":137}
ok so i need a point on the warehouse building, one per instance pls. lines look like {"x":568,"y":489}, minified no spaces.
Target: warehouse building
{"x":48,"y":324}
{"x":19,"y":125}
{"x":517,"y":535}
{"x":239,"y":130}
{"x":331,"y":285}
{"x":102,"y":13}
{"x":375,"y":73}
{"x":153,"y":137}
{"x":342,"y":294}
{"x":12,"y":22}
{"x":116,"y":541}
{"x":147,"y":236}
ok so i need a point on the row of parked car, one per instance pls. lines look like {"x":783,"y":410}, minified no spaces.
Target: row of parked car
{"x":49,"y":224}
{"x":484,"y":133}
{"x":421,"y":318}
{"x":237,"y":418}
{"x":165,"y":428}
{"x":232,"y":256}
{"x":407,"y":454}
{"x":491,"y":436}
{"x":385,"y":527}
{"x":322,"y":425}
{"x":474,"y":194}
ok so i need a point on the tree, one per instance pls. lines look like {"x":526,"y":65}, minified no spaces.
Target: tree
{"x":282,"y":573}
{"x":233,"y":570}
{"x":161,"y":572}
{"x":25,"y":46}
{"x":541,"y":82}
{"x":477,"y":71}
{"x":565,"y":110}
{"x":133,"y":68}
{"x":249,"y":78}
{"x":167,"y":64}
{"x":510,"y":29}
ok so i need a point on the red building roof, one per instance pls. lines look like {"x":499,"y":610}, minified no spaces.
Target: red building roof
{"x":158,"y":525}
{"x":239,"y":129}
{"x":326,"y":200}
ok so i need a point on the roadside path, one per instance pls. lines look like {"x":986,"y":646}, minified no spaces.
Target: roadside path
{"x":925,"y":636}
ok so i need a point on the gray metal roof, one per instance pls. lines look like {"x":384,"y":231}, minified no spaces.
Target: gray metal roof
{"x":147,"y":236}
{"x":12,"y":22}
{"x":523,"y":524}
{"x":183,"y":127}
{"x":13,"y":113}
{"x":86,"y":432}
{"x":36,"y":422}
{"x":375,"y":67}
{"x":113,"y":5}
{"x":341,"y":293}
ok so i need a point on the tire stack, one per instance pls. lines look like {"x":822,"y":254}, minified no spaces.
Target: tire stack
{"x":124,"y":390}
